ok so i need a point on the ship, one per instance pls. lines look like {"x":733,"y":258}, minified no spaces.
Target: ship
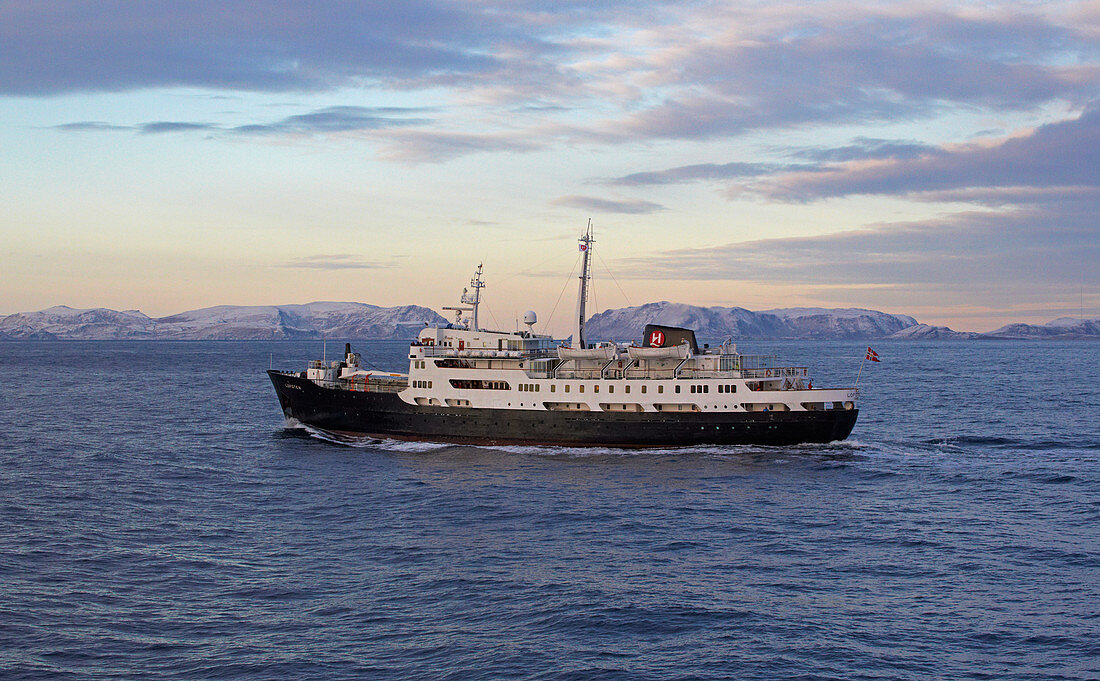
{"x":470,"y":385}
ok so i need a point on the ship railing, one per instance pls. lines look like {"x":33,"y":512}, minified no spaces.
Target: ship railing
{"x":575,"y":374}
{"x":776,"y":372}
{"x":370,"y":385}
{"x":635,"y":374}
{"x":757,"y":361}
{"x":485,"y":353}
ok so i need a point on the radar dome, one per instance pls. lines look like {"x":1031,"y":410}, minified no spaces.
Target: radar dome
{"x":530,"y":318}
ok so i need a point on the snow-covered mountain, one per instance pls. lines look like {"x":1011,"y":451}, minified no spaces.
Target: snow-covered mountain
{"x":360,"y":320}
{"x":224,"y":322}
{"x":724,"y":322}
{"x":1064,"y":327}
{"x":65,"y":322}
{"x":927,"y":332}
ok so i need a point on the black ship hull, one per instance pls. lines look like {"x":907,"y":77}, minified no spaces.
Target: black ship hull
{"x":385,"y":415}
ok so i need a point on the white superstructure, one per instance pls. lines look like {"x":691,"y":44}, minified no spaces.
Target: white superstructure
{"x":463,"y":365}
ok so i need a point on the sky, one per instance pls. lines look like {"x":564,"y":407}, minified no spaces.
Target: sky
{"x":934,"y":159}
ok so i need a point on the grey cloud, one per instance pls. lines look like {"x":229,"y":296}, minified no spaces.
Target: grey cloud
{"x":860,"y":66}
{"x":292,"y":45}
{"x":705,"y":116}
{"x":976,"y":252}
{"x":336,"y":262}
{"x":1062,"y":154}
{"x":90,"y":126}
{"x":701,"y":171}
{"x":601,"y":205}
{"x":173,"y":126}
{"x":330,"y":120}
{"x":336,"y":119}
{"x":859,"y":149}
{"x":541,"y":71}
{"x":1014,"y":196}
{"x":864,"y":148}
{"x":428,"y":146}
{"x":236,"y":44}
{"x":150,"y":128}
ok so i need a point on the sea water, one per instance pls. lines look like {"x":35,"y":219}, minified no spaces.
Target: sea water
{"x":158,"y":520}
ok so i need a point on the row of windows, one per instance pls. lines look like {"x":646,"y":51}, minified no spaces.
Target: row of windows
{"x":474,"y":384}
{"x":611,"y":388}
{"x":421,"y":384}
{"x":535,"y":387}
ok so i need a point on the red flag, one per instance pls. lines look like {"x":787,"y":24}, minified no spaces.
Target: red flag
{"x":872,"y":355}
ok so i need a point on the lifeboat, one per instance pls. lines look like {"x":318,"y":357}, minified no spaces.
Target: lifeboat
{"x":605,"y":353}
{"x":680,"y":351}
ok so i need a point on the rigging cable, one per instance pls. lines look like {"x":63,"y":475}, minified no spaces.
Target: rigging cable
{"x":608,"y":270}
{"x":496,"y":324}
{"x":562,"y":292}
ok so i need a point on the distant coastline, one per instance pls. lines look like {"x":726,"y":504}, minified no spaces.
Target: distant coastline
{"x":335,"y":320}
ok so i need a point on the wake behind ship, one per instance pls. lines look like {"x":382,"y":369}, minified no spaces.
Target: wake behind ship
{"x":470,"y":385}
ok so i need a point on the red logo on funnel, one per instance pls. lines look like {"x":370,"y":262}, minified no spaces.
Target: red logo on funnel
{"x":657,"y":339}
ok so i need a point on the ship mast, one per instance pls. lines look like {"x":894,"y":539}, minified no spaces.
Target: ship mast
{"x":474,"y":300}
{"x":470,"y":299}
{"x":585,"y":246}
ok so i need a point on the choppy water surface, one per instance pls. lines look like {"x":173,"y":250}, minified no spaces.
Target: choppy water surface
{"x":158,"y":521}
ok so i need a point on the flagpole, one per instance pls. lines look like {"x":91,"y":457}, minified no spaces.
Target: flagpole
{"x":861,"y":368}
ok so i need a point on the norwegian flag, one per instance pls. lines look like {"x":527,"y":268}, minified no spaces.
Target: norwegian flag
{"x":872,"y":355}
